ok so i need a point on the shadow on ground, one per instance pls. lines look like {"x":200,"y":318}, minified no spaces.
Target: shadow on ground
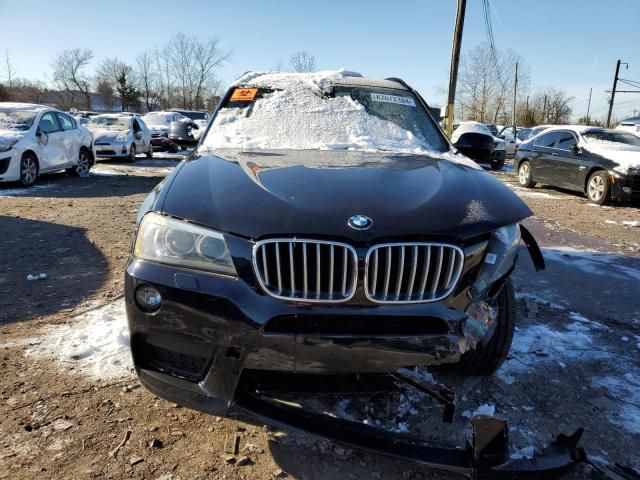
{"x":73,"y":266}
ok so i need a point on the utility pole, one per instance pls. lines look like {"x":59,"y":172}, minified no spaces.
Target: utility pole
{"x":526,"y":114}
{"x":613,"y":93}
{"x":589,"y":104}
{"x":515,"y":92}
{"x":544,"y":110}
{"x":455,"y":60}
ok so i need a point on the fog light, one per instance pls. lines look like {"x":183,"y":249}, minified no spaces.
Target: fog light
{"x":148,"y":298}
{"x":626,"y":189}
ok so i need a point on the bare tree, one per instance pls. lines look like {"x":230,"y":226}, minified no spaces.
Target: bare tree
{"x":69,"y":72}
{"x":208,"y":56}
{"x":121,"y":77}
{"x":302,"y":61}
{"x":147,"y":75}
{"x":9,"y":72}
{"x":105,"y":90}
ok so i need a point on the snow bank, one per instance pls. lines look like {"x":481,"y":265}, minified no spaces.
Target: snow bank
{"x":297,"y":116}
{"x":96,"y":344}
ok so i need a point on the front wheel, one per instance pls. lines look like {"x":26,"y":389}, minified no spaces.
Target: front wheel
{"x":150,"y":151}
{"x":598,"y":187}
{"x":81,"y":169}
{"x":132,"y":154}
{"x":486,"y":358}
{"x":524,"y":175}
{"x":28,"y":170}
{"x":497,"y":165}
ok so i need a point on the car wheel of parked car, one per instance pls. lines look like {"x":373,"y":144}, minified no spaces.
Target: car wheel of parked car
{"x":150,"y":151}
{"x":486,"y":358}
{"x":524,"y":175}
{"x":497,"y":165}
{"x":28,"y":169}
{"x":132,"y":154}
{"x":81,"y":169}
{"x":173,"y":148}
{"x":598,"y":187}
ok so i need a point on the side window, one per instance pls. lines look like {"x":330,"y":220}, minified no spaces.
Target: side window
{"x":548,"y":140}
{"x":49,"y":123}
{"x":66,"y":122}
{"x":567,"y":141}
{"x":136,"y":127}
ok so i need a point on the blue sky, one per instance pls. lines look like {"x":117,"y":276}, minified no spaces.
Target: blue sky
{"x":567,"y":44}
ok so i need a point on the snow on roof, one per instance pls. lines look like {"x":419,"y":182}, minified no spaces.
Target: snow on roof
{"x":21,"y":106}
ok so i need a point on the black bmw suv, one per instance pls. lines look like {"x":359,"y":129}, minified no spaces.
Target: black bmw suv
{"x":324,"y":227}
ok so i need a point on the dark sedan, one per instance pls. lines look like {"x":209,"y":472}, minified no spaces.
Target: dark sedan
{"x":603,"y":164}
{"x":324,"y":229}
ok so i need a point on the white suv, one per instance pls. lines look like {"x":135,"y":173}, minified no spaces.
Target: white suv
{"x":37,"y":139}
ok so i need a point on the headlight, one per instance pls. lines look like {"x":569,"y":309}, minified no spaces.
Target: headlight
{"x":122,"y":137}
{"x":499,"y":257}
{"x":7,"y":144}
{"x":165,"y":240}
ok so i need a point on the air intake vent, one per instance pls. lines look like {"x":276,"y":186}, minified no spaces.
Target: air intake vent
{"x":306,"y":270}
{"x":412,"y":272}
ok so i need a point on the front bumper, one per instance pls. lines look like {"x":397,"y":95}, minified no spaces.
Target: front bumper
{"x":111,"y":149}
{"x":161,"y":142}
{"x":625,"y":187}
{"x":10,"y":165}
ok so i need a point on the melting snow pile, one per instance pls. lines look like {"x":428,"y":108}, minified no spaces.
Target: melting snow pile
{"x":297,"y":115}
{"x":96,"y":344}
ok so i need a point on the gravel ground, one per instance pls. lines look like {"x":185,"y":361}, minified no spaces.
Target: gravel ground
{"x":569,"y":367}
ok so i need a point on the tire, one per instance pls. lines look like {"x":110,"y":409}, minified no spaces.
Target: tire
{"x":598,"y":187}
{"x":525,"y":178}
{"x":132,"y":153}
{"x":28,"y":169}
{"x":150,"y":151}
{"x":497,"y":165}
{"x":81,"y":169}
{"x":486,"y":359}
{"x":173,"y":148}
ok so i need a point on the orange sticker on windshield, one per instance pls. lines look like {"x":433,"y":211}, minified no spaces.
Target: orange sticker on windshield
{"x":244,"y":94}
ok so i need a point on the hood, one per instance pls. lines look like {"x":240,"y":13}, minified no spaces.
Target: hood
{"x":104,"y":135}
{"x":158,"y":128}
{"x":314,"y":192}
{"x":626,"y":156}
{"x":8,"y":137}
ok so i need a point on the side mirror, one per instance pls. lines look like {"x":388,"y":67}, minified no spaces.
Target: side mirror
{"x":576,"y":150}
{"x":139,"y":135}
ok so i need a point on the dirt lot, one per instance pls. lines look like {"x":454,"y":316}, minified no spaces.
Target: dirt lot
{"x":575,"y":358}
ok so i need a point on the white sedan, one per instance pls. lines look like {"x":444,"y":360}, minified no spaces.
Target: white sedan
{"x":37,"y":139}
{"x":120,"y":135}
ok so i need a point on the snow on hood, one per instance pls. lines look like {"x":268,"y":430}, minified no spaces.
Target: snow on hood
{"x":9,"y":137}
{"x":307,"y":120}
{"x":107,"y":134}
{"x":626,"y":156}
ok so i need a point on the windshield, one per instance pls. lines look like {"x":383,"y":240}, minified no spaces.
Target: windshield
{"x":608,"y":136}
{"x":17,"y":119}
{"x":295,"y":115}
{"x":109,"y":123}
{"x":158,"y":119}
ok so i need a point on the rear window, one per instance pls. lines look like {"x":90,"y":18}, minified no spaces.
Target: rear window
{"x":292,"y":113}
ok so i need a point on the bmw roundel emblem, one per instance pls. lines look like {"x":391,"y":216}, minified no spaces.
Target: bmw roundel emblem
{"x":360,"y":222}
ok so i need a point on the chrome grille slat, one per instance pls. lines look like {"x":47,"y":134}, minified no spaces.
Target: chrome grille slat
{"x":306,"y":270}
{"x":418,"y":272}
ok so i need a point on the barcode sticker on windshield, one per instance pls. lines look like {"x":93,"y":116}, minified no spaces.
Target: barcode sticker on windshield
{"x":382,"y":97}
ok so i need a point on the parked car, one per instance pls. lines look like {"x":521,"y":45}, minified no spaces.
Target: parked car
{"x":492,"y":128}
{"x":324,"y":229}
{"x":631,"y":125}
{"x":119,"y":135}
{"x":537,"y":131}
{"x":159,"y":124}
{"x":604,"y":164}
{"x":185,"y":132}
{"x":509,"y":134}
{"x":522,"y":134}
{"x":36,"y":139}
{"x":475,"y":140}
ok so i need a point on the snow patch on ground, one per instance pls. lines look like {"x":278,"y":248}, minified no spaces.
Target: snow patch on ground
{"x":625,"y":391}
{"x":95,"y":344}
{"x":17,"y":192}
{"x":592,"y":262}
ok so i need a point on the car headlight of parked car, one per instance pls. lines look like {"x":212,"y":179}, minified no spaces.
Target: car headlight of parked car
{"x":122,"y":137}
{"x":7,"y":144}
{"x":499,"y":257}
{"x":166,"y":240}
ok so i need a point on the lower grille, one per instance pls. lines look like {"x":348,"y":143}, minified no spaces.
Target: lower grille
{"x":412,"y":272}
{"x":307,"y":270}
{"x":175,"y":363}
{"x":4,"y":164}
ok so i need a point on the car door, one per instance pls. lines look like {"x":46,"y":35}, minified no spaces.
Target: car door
{"x":543,"y":148}
{"x":508,"y":134}
{"x":70,"y":138}
{"x":50,"y":138}
{"x":565,"y":163}
{"x":138,"y":136}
